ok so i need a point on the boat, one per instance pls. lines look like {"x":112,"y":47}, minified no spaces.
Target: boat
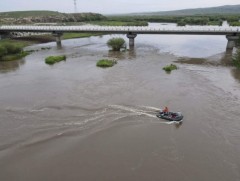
{"x":170,"y":116}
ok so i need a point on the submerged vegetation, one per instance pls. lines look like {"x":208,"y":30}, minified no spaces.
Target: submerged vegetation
{"x":106,"y":63}
{"x":54,"y":59}
{"x":116,"y":43}
{"x":169,"y":68}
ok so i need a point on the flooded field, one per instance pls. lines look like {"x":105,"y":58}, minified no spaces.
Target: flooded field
{"x":75,"y":121}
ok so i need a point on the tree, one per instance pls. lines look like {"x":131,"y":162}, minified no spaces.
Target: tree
{"x":116,"y":43}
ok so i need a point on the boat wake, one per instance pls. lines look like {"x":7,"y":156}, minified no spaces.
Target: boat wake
{"x":137,"y":111}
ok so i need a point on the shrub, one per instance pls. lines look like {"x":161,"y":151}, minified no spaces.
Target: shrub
{"x":236,"y":23}
{"x":54,"y":59}
{"x":3,"y":51}
{"x":181,"y":23}
{"x":106,"y":63}
{"x":13,"y":48}
{"x":116,"y":43}
{"x":169,"y":68}
{"x":11,"y":52}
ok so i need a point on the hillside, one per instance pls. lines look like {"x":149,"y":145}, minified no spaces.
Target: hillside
{"x":25,"y":14}
{"x":25,"y":17}
{"x":228,"y":10}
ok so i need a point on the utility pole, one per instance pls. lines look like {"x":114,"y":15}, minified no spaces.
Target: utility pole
{"x":75,"y":6}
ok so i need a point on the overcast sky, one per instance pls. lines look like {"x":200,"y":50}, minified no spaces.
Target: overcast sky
{"x":109,"y":6}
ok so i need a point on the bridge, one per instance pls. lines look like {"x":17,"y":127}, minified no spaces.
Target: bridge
{"x":232,"y":33}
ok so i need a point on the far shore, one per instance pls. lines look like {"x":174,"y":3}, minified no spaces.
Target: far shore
{"x":49,"y":38}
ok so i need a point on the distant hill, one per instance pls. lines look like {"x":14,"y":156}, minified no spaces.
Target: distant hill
{"x":228,"y":10}
{"x":24,"y":14}
{"x":22,"y":17}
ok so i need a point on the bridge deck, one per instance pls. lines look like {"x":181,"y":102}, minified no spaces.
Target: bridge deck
{"x":191,"y":30}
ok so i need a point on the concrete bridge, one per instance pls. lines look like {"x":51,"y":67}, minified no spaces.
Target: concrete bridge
{"x":232,"y":33}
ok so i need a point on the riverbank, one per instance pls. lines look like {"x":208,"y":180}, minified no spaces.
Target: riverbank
{"x":22,"y":42}
{"x":12,"y":50}
{"x":49,"y":38}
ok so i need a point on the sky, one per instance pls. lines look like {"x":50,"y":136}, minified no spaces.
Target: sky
{"x":109,"y":6}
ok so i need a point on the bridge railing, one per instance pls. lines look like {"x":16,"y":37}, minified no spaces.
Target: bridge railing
{"x":123,"y":29}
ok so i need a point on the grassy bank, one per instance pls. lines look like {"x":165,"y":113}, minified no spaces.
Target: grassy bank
{"x":79,"y":35}
{"x":16,"y":42}
{"x":119,"y":23}
{"x":12,"y":50}
{"x":14,"y":56}
{"x":35,"y":39}
{"x":49,"y":38}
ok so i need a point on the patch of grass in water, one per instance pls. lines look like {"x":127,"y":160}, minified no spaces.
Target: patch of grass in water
{"x":54,"y":59}
{"x":169,"y":68}
{"x":106,"y":63}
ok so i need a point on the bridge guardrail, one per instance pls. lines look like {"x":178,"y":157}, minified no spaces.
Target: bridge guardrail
{"x":122,"y":29}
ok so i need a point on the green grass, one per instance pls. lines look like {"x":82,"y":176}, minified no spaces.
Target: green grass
{"x":54,"y":59}
{"x":12,"y":50}
{"x":234,"y":23}
{"x":14,"y":56}
{"x":169,"y":68}
{"x":119,"y":23}
{"x":79,"y":35}
{"x":215,"y":23}
{"x":181,"y":23}
{"x":106,"y":63}
{"x":16,"y":42}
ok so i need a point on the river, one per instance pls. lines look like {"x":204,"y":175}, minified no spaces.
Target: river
{"x":75,"y":121}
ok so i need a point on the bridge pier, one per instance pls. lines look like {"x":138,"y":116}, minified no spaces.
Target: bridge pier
{"x":131,"y":37}
{"x":58,"y":35}
{"x":231,"y":41}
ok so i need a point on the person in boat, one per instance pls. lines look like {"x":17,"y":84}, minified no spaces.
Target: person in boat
{"x":165,"y":110}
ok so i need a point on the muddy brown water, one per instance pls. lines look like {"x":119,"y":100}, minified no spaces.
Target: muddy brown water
{"x":74,"y":121}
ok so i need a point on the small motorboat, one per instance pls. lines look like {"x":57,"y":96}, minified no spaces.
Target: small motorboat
{"x":170,"y":116}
